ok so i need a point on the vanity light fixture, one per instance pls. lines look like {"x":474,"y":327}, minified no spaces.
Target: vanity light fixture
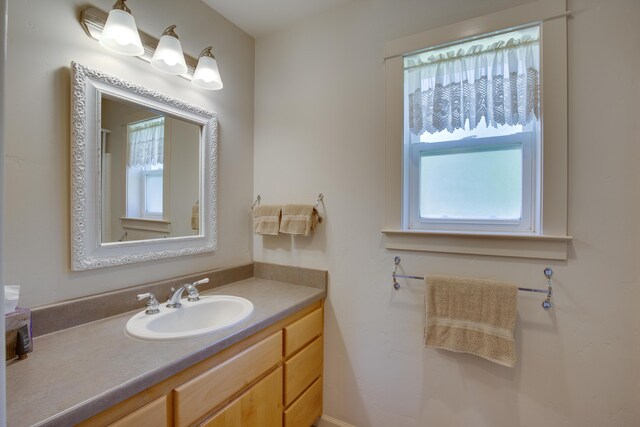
{"x":165,"y":54}
{"x":168,"y":56}
{"x":120,"y":33}
{"x":207,"y":75}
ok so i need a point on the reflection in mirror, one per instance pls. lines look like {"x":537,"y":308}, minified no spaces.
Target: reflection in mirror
{"x":150,"y":173}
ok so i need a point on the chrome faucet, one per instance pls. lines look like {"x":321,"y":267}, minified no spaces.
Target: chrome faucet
{"x":153,"y":306}
{"x":174,"y":296}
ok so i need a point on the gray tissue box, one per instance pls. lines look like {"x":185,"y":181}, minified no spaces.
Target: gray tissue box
{"x":14,"y":321}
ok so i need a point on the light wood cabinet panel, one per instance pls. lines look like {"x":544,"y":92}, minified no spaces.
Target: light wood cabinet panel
{"x":230,"y":416}
{"x":302,"y":369}
{"x":308,"y":408}
{"x":302,"y":331}
{"x":261,"y":406}
{"x":153,"y":414}
{"x":203,"y":393}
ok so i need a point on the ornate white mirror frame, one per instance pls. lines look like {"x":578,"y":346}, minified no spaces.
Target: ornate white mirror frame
{"x":87,"y":249}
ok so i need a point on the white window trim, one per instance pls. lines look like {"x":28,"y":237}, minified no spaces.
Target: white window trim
{"x":526,"y":224}
{"x":551,"y":242}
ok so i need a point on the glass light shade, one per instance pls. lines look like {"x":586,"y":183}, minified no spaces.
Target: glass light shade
{"x":168,"y":56}
{"x":120,"y":34}
{"x":207,"y":75}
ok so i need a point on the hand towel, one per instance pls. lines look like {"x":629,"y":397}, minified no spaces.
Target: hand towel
{"x":266,"y":219}
{"x":473,"y":316}
{"x":195,"y":216}
{"x":298,"y":219}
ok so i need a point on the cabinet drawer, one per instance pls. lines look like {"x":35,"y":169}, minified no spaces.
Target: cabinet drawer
{"x":302,"y":331}
{"x":260,"y":406}
{"x":153,"y":414}
{"x":203,"y":393}
{"x":301,"y":370}
{"x":307,"y":408}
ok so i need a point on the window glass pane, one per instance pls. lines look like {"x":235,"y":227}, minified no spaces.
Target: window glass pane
{"x":153,"y":193}
{"x":474,"y":184}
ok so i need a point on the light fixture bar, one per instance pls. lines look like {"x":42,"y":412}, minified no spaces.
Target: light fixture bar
{"x":93,"y":20}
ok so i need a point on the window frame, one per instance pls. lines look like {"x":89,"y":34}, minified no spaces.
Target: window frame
{"x":140,"y":175}
{"x":550,"y":241}
{"x":527,"y":222}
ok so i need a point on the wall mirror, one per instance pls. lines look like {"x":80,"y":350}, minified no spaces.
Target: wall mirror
{"x":143,"y":174}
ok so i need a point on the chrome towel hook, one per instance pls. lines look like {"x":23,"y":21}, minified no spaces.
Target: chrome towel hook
{"x":546,"y":304}
{"x":257,"y":201}
{"x":318,"y":200}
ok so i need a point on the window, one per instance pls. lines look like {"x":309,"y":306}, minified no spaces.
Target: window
{"x":471,"y":114}
{"x":145,"y":169}
{"x":152,"y":193}
{"x":467,"y":169}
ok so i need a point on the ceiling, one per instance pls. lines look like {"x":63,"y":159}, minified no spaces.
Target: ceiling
{"x":262,"y":17}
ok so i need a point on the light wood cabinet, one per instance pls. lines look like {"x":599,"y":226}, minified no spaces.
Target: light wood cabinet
{"x":152,"y":414}
{"x":193,"y":399}
{"x":261,"y":406}
{"x":302,"y":370}
{"x":302,"y":332}
{"x":307,"y":408}
{"x":270,"y":379}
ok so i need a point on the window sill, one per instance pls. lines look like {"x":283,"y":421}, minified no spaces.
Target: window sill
{"x":493,"y":244}
{"x":145,"y":224}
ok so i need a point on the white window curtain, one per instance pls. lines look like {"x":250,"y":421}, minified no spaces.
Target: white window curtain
{"x":146,"y":143}
{"x":498,"y":81}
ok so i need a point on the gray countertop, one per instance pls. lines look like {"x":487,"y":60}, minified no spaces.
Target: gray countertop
{"x":78,"y":372}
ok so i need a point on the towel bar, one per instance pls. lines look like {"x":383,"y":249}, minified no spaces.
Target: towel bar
{"x":548,"y":272}
{"x":318,"y":200}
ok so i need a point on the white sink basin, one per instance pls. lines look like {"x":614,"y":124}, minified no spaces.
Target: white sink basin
{"x":193,"y":319}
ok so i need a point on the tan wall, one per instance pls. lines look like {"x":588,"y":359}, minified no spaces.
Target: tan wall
{"x":44,"y":37}
{"x":185,"y":152}
{"x":319,"y":127}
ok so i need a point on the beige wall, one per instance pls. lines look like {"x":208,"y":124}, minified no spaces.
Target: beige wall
{"x":44,"y":37}
{"x":319,"y":127}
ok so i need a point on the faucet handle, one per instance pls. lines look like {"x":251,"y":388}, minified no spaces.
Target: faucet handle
{"x":153,"y":306}
{"x":201,"y":282}
{"x":193,"y":292}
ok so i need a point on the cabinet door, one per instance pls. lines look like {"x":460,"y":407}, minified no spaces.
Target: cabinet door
{"x":153,"y":414}
{"x":230,"y":416}
{"x":260,"y":406}
{"x":195,"y":398}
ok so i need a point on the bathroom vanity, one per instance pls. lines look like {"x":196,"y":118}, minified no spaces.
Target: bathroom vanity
{"x":264,"y":371}
{"x":274,"y":373}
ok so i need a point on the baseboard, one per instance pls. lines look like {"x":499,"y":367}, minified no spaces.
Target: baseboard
{"x":327,"y":421}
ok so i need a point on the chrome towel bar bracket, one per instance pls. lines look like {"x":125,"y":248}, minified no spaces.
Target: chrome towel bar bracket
{"x":548,"y":273}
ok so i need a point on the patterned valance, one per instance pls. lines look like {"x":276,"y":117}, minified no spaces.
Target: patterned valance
{"x":146,"y":143}
{"x":499,"y":82}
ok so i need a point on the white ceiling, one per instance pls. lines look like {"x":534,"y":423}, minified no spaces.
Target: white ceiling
{"x":261,"y":17}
